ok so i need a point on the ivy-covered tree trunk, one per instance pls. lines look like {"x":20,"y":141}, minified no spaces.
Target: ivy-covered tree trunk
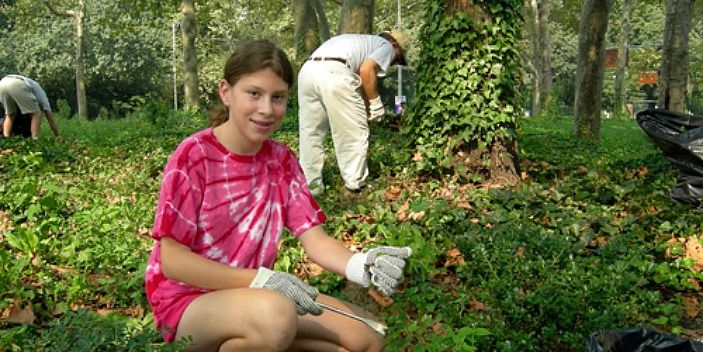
{"x":464,"y":112}
{"x":590,"y":69}
{"x":356,"y":16}
{"x":674,"y":70}
{"x":306,"y":34}
{"x":78,"y":16}
{"x":190,"y":56}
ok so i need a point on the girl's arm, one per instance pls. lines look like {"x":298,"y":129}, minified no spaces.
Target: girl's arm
{"x":179,"y":263}
{"x":325,"y":250}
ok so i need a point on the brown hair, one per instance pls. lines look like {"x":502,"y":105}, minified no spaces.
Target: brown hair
{"x":249,"y":57}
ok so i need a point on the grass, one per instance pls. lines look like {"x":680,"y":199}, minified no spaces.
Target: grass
{"x":589,"y":241}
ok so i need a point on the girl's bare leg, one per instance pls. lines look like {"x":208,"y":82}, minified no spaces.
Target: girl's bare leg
{"x":242,"y":319}
{"x":333,"y":332}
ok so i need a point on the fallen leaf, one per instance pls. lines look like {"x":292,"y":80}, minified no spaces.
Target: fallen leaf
{"x":477,"y":306}
{"x":599,"y":241}
{"x":402,"y":213}
{"x":417,"y":156}
{"x":454,"y":258}
{"x":392,"y":193}
{"x":21,"y":315}
{"x":380,"y":298}
{"x":691,"y":306}
{"x":464,"y":205}
{"x":417,"y":216}
{"x":694,"y":250}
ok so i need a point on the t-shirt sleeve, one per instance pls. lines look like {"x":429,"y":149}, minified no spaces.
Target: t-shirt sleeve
{"x":180,"y":198}
{"x":40,"y":94}
{"x":383,"y":55}
{"x":302,"y":211}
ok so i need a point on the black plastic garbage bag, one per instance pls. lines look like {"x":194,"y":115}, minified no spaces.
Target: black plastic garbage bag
{"x":639,"y":340}
{"x":680,"y":138}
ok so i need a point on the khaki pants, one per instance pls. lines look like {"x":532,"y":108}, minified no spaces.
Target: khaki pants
{"x":329,"y":98}
{"x":14,"y":94}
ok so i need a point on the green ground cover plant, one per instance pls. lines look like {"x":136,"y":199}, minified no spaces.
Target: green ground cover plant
{"x":588,"y":241}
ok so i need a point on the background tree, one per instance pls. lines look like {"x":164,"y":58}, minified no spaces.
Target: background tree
{"x":673,"y":75}
{"x":464,"y":115}
{"x":78,"y":15}
{"x":306,"y":28}
{"x":623,"y":52}
{"x":540,"y":62}
{"x":357,"y":16}
{"x":190,"y":54}
{"x":589,"y":72}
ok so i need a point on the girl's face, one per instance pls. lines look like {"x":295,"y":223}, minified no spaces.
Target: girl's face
{"x":257,"y":104}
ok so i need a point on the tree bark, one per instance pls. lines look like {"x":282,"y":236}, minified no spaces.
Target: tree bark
{"x":621,"y":72}
{"x":305,"y":36}
{"x":538,"y":28}
{"x":533,"y":63}
{"x":590,"y":68}
{"x":673,"y":75}
{"x":79,"y":17}
{"x":544,"y":53}
{"x":190,"y":56}
{"x":356,"y":16}
{"x":322,"y":21}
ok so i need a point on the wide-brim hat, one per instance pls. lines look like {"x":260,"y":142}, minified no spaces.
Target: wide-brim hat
{"x":402,"y":42}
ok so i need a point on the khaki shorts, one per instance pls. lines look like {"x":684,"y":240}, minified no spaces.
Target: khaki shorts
{"x":14,"y":93}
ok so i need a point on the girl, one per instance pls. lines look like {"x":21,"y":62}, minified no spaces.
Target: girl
{"x":227,"y":193}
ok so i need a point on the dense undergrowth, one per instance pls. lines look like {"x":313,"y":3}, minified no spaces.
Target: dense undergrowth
{"x":589,"y":241}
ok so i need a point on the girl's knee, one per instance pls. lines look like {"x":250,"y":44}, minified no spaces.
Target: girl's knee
{"x":278,"y":322}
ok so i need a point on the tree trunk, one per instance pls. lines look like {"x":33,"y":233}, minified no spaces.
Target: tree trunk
{"x":80,"y":62}
{"x":673,"y":76}
{"x":590,"y":68}
{"x":534,"y":63}
{"x":79,"y":17}
{"x":356,"y":16}
{"x":306,"y":39}
{"x":538,"y":27}
{"x":464,"y":115}
{"x":621,"y":72}
{"x":545,"y":56}
{"x":322,"y":20}
{"x":190,"y":56}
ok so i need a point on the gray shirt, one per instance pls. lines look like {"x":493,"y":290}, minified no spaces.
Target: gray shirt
{"x":355,"y":48}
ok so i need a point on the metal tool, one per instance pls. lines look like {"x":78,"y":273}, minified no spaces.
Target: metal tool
{"x":376,"y":326}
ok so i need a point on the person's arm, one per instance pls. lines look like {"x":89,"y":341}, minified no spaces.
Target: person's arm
{"x":369,"y":81}
{"x":181,"y":264}
{"x":325,"y":250}
{"x":52,"y":122}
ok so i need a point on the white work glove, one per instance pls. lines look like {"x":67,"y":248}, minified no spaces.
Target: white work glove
{"x":376,"y":110}
{"x":290,"y":286}
{"x":382,"y":266}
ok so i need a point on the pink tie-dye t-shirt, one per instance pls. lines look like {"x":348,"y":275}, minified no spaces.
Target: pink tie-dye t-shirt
{"x":225,"y":207}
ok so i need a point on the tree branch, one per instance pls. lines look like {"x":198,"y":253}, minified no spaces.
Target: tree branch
{"x":55,"y":11}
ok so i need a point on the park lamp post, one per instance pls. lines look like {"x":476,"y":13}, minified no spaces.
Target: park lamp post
{"x":399,"y":98}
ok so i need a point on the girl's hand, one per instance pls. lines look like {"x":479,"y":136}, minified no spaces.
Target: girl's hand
{"x":382,"y":266}
{"x":290,"y":286}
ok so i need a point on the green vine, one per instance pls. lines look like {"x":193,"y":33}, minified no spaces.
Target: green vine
{"x":467,"y":73}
